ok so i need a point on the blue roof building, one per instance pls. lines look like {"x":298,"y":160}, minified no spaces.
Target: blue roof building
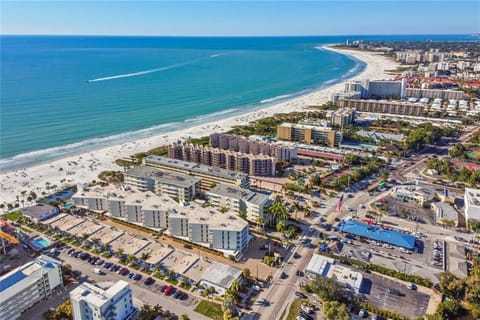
{"x":377,"y":233}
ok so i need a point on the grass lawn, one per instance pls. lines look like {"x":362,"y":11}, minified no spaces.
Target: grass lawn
{"x":210,"y":309}
{"x":26,"y":230}
{"x":158,"y":275}
{"x":12,"y":216}
{"x":294,"y":309}
{"x":76,"y":244}
{"x":172,"y":281}
{"x":106,"y":255}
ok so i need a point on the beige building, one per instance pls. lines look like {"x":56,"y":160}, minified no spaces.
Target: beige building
{"x":209,"y":176}
{"x":435,"y":93}
{"x":343,"y":117}
{"x":384,"y":106}
{"x":309,"y":134}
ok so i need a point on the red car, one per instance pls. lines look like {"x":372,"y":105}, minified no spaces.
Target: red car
{"x":124,"y":272}
{"x":167,"y":290}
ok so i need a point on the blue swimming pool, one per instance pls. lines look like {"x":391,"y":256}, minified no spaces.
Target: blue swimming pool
{"x":41,"y":243}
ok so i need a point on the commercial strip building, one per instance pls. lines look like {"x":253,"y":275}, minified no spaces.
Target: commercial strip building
{"x":252,"y":164}
{"x":253,"y":204}
{"x":309,"y":134}
{"x":24,"y":286}
{"x":445,"y":212}
{"x":252,"y":146}
{"x":220,"y":276}
{"x":384,"y":106}
{"x":209,"y":176}
{"x":180,"y":186}
{"x":90,"y":302}
{"x":40,"y":212}
{"x":377,"y":233}
{"x":420,"y":195}
{"x":326,"y":267}
{"x":207,"y":227}
{"x":472,"y":204}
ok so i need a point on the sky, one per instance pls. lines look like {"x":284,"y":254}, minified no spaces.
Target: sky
{"x":239,"y":18}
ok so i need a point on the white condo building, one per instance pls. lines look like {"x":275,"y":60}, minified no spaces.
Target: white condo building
{"x":208,"y":227}
{"x":26,"y":285}
{"x":253,"y":204}
{"x":472,"y":204}
{"x":90,"y":302}
{"x":175,"y":185}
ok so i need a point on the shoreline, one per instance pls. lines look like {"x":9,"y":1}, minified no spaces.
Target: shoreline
{"x":85,"y":167}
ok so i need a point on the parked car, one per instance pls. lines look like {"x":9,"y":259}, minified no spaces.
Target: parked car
{"x":168,"y":290}
{"x":148,"y":281}
{"x":137,"y":277}
{"x":300,"y":295}
{"x":395,"y":292}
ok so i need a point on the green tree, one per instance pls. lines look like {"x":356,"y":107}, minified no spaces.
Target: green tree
{"x":184,"y":317}
{"x":449,"y":309}
{"x":144,"y":256}
{"x":280,"y":226}
{"x":327,"y":289}
{"x":334,"y":310}
{"x":147,"y":312}
{"x":63,"y":311}
{"x":260,"y":221}
{"x":246,"y":273}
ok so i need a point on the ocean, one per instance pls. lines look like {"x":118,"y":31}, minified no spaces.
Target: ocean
{"x":62,"y":95}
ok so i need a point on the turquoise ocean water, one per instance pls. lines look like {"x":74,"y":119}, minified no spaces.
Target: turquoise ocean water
{"x":62,"y":95}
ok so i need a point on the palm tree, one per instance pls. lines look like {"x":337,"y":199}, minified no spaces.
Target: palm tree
{"x":236,"y":286}
{"x":280,"y":226}
{"x":119,"y":252}
{"x":184,"y":317}
{"x":130,"y":258}
{"x":95,"y":241}
{"x":296,"y":208}
{"x":145,"y":256}
{"x":260,"y":221}
{"x":85,"y":236}
{"x":107,"y":247}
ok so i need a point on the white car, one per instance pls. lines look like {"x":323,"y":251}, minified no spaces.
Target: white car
{"x":306,"y":309}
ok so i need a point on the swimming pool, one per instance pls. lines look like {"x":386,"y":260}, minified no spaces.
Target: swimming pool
{"x":41,"y":243}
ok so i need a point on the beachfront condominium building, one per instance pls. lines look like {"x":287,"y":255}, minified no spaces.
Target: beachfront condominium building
{"x":252,"y":164}
{"x":24,"y":286}
{"x":343,"y":117}
{"x":252,"y":204}
{"x":208,"y":227}
{"x":208,"y":175}
{"x":384,"y":106}
{"x":90,"y":302}
{"x":435,"y":94}
{"x":309,"y":134}
{"x":176,"y":185}
{"x":252,"y":145}
{"x":377,"y":89}
{"x":472,"y":204}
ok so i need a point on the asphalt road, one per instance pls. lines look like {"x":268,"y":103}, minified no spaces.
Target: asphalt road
{"x":141,"y":294}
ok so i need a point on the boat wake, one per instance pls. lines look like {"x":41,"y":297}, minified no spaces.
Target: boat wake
{"x":141,"y":73}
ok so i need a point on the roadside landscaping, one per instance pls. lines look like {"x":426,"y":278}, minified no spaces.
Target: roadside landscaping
{"x":210,"y":309}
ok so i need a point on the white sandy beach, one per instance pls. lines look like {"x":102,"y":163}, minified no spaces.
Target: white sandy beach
{"x":85,"y":167}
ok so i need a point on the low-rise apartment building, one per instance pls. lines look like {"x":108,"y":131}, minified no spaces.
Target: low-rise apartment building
{"x":24,"y":286}
{"x":309,"y":134}
{"x":90,"y":302}
{"x":208,"y":227}
{"x":208,"y":175}
{"x":180,"y":186}
{"x":253,"y":204}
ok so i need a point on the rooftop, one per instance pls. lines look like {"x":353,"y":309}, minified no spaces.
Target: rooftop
{"x":195,"y":167}
{"x":95,"y":295}
{"x":38,"y":210}
{"x":22,"y":277}
{"x":221,"y":275}
{"x":162,"y":176}
{"x":472,"y":197}
{"x":239,"y":193}
{"x":377,"y":233}
{"x":305,"y":126}
{"x":447,"y":211}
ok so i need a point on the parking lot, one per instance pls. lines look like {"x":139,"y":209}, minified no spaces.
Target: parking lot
{"x":410,"y":303}
{"x":408,"y":210}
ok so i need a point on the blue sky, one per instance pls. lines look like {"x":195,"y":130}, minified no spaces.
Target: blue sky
{"x":224,"y":18}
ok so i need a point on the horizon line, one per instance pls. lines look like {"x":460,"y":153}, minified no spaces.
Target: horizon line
{"x":238,"y":36}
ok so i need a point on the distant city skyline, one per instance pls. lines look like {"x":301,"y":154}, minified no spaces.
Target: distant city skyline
{"x":248,"y":18}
